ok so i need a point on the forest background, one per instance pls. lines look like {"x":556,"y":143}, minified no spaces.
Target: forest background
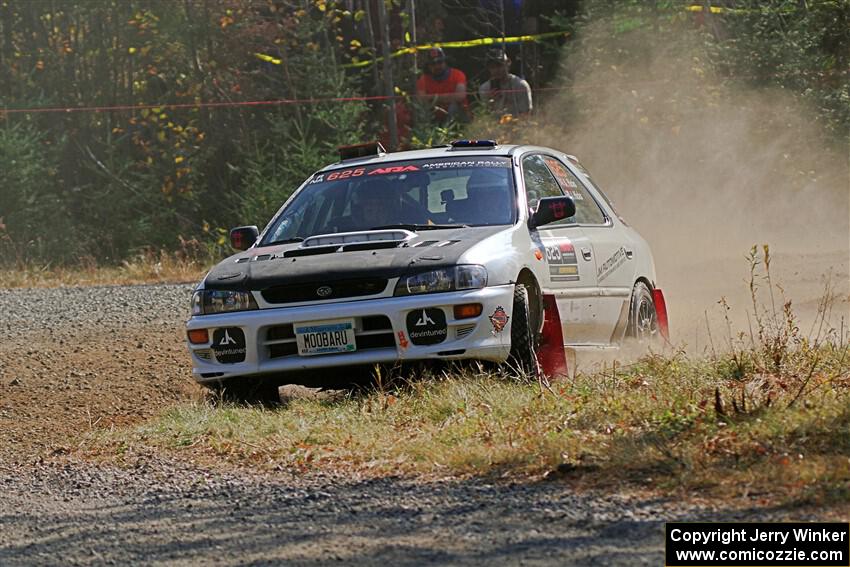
{"x":131,"y":128}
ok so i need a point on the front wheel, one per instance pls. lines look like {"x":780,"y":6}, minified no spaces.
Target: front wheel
{"x":523,"y":357}
{"x":643,"y":318}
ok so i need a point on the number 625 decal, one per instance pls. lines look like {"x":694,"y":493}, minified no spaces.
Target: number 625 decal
{"x":345,"y":174}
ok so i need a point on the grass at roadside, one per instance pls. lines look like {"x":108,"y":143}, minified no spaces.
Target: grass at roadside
{"x":767,"y":420}
{"x":664,"y":422}
{"x":150,"y":267}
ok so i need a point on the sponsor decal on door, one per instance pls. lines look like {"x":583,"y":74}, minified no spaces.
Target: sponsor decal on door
{"x":562,"y":260}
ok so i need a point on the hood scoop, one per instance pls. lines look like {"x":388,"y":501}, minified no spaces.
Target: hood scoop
{"x":350,"y":242}
{"x":397,"y":236}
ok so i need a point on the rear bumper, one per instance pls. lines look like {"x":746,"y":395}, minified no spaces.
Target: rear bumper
{"x":470,"y":338}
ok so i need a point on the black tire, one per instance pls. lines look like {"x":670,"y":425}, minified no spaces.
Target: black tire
{"x":643,"y":319}
{"x":524,"y":340}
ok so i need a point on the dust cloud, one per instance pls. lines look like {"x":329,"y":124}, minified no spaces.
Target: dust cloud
{"x":704,"y":168}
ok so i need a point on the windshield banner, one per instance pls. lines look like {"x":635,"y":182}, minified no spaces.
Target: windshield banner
{"x":411,"y":167}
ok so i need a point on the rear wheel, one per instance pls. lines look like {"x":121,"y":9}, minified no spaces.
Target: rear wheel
{"x":643,"y":319}
{"x":523,"y":355}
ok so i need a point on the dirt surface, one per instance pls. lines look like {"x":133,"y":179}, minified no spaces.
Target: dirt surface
{"x":693,"y":290}
{"x":76,"y":359}
{"x":79,"y":358}
{"x":698,"y":325}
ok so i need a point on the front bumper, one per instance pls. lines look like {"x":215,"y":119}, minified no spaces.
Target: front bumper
{"x":381,"y":329}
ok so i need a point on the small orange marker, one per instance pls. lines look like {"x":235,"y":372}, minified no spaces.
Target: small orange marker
{"x":467,"y":310}
{"x":199,"y":336}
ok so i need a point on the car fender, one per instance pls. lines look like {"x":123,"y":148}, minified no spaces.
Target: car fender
{"x":505,"y":254}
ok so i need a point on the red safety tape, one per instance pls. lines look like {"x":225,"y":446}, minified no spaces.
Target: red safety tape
{"x":305,"y":101}
{"x":283,"y":101}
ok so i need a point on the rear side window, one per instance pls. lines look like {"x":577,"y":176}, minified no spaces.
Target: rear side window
{"x":587,"y":209}
{"x":599,"y":190}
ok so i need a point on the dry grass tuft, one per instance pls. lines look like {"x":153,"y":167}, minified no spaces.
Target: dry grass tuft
{"x":146,"y":267}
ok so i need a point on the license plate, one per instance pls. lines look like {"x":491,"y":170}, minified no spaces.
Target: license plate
{"x":325,"y":337}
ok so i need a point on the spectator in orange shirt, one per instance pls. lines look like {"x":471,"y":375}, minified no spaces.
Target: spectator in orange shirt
{"x":444,"y":85}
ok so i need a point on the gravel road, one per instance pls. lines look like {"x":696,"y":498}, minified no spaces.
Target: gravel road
{"x":76,"y":359}
{"x":161,"y":511}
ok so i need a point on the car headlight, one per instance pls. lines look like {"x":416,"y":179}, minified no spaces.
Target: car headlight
{"x":446,"y":279}
{"x":209,"y":301}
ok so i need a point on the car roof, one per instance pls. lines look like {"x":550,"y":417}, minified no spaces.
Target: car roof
{"x":502,"y":150}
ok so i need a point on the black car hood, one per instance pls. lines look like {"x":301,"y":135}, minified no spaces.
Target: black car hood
{"x":258,"y":269}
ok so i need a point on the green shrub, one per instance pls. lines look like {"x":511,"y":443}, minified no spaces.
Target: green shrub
{"x":32,"y":218}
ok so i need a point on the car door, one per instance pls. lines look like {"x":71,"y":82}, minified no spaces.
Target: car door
{"x":614,"y":265}
{"x":571,"y":272}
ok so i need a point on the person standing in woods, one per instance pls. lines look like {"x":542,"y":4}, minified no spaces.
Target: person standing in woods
{"x":505,"y":93}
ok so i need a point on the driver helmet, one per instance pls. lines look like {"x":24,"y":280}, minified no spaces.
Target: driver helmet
{"x":488,"y":192}
{"x":375,"y":193}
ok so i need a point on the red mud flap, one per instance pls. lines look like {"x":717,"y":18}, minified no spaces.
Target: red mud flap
{"x":661,"y":313}
{"x":550,"y":355}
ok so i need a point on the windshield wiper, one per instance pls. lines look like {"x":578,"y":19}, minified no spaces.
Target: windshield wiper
{"x":416,"y":227}
{"x":284,"y":241}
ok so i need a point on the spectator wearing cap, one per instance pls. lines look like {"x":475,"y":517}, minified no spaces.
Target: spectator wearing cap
{"x":505,"y":93}
{"x":445,"y":85}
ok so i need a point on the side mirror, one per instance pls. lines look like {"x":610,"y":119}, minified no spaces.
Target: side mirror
{"x":551,"y":209}
{"x":243,"y":237}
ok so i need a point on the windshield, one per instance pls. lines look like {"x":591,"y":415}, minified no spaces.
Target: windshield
{"x":418,"y":194}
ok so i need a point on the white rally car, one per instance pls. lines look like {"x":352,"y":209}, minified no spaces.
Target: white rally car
{"x":473,"y":250}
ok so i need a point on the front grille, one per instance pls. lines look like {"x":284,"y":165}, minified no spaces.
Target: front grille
{"x":295,"y":293}
{"x":370,"y":332}
{"x":280,"y":332}
{"x":375,"y":341}
{"x":376,"y":323}
{"x":281,"y":350}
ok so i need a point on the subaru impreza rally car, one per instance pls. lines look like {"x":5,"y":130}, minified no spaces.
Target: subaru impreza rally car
{"x":473,"y":250}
